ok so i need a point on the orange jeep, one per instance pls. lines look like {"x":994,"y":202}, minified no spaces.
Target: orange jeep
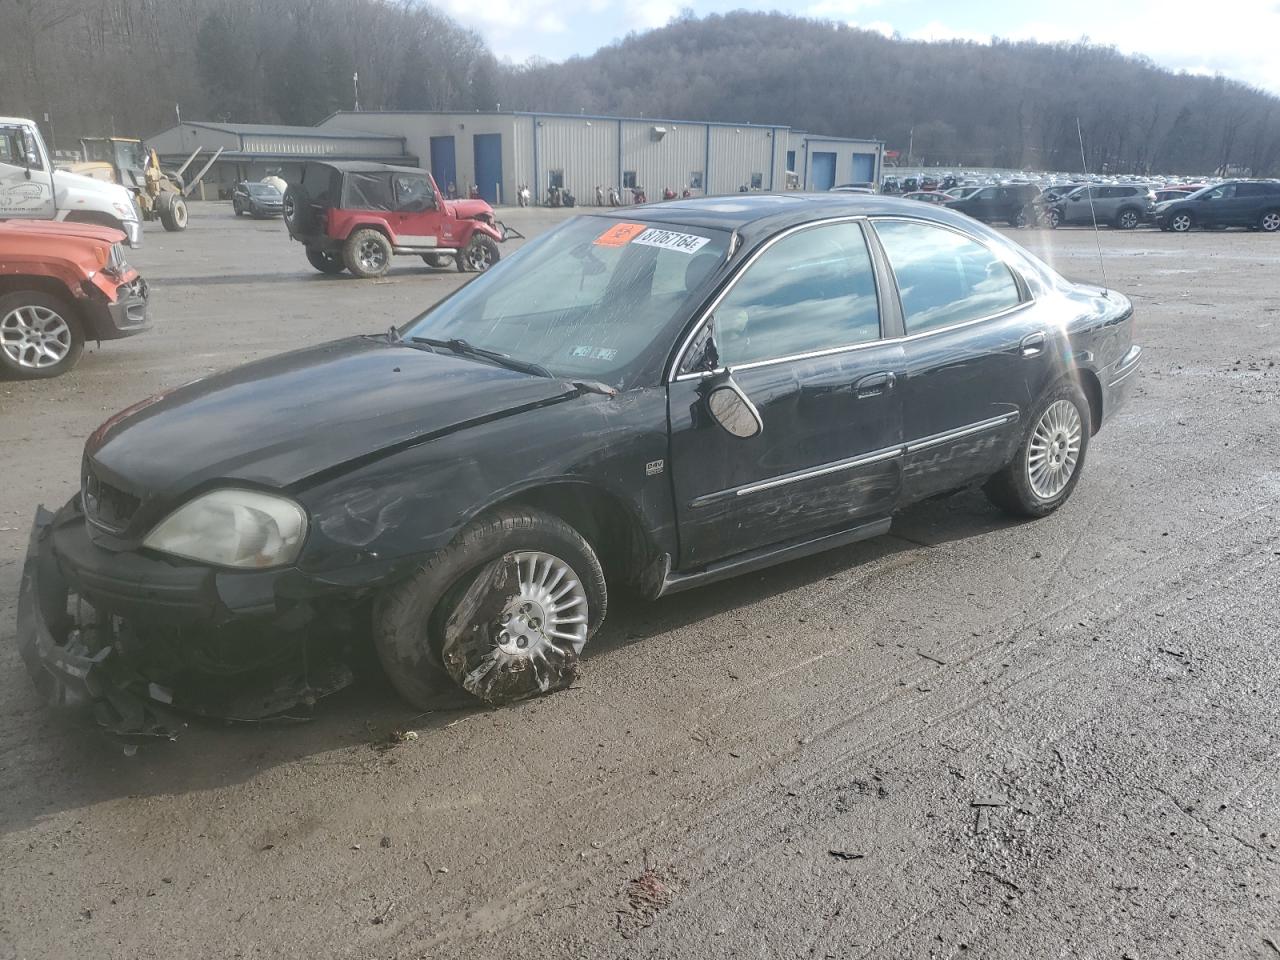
{"x":60,"y":285}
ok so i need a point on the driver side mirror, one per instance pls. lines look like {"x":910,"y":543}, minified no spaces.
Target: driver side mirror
{"x":732,"y":409}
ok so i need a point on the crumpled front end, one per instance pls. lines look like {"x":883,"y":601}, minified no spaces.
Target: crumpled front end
{"x":144,"y":641}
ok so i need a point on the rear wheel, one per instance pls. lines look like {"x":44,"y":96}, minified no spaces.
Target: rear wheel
{"x":1044,"y":471}
{"x":502,"y":612}
{"x":1269,"y":222}
{"x":325,"y":261}
{"x":173,"y":212}
{"x":1128,"y":219}
{"x":40,"y":336}
{"x":367,"y":253}
{"x":479,"y":255}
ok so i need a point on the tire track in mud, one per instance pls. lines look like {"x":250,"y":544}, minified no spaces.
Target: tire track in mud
{"x":757,"y":789}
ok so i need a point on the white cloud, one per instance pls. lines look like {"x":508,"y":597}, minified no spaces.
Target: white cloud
{"x":935,"y":31}
{"x":652,"y":14}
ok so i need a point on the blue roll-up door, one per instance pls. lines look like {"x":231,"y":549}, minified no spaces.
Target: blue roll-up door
{"x":488,"y":150}
{"x":824,"y":171}
{"x":444,"y":163}
{"x":864,"y":167}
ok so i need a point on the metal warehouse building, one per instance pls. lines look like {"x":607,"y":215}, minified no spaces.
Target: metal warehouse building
{"x":251,"y":150}
{"x":499,"y":152}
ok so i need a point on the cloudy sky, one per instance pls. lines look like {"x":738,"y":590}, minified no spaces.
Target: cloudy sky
{"x":1237,"y":39}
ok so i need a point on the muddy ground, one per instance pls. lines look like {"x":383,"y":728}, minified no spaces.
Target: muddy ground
{"x":968,"y":738}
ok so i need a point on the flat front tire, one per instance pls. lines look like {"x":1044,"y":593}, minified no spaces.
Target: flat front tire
{"x":503,"y":612}
{"x":1047,"y":465}
{"x":479,"y":255}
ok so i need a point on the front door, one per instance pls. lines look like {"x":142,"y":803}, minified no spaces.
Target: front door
{"x":26,"y":186}
{"x":417,"y":215}
{"x":973,"y":368}
{"x":799,"y":331}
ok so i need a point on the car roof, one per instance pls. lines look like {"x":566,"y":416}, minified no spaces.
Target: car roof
{"x":365,"y":166}
{"x":763,"y":211}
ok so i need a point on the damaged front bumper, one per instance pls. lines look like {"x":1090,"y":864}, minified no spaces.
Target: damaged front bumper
{"x":144,"y":641}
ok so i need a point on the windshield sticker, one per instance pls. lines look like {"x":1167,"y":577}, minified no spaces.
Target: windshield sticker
{"x":667,"y":240}
{"x":588,"y":352}
{"x":619,"y":235}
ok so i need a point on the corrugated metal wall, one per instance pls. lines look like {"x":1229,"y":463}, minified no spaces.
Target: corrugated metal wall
{"x":584,"y":150}
{"x":739,"y":154}
{"x":666,"y":159}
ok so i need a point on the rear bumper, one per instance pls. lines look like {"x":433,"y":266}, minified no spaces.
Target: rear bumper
{"x":1118,"y":379}
{"x":142,"y":640}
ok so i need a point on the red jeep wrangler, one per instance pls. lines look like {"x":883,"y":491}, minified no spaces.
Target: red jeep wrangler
{"x":60,"y":285}
{"x":354,"y":216}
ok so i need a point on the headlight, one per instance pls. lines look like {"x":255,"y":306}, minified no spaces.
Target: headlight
{"x":233,"y":528}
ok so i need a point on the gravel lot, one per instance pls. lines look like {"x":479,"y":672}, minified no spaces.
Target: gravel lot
{"x":969,"y":737}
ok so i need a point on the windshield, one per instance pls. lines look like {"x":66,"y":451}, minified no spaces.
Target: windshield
{"x":585,"y":301}
{"x":263,"y":190}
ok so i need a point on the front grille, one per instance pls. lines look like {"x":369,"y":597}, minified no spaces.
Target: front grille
{"x":106,"y":505}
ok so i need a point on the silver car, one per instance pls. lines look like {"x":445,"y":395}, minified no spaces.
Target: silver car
{"x":1122,"y":205}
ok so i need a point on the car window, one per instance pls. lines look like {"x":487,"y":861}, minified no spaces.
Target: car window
{"x":367,"y":191}
{"x":589,"y":299}
{"x":413,"y":193}
{"x":986,"y":193}
{"x":1224,"y":192}
{"x":943,"y":277}
{"x":812,"y":290}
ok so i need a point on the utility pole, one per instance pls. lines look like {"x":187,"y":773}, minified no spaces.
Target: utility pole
{"x":355,"y":85}
{"x":911,"y":140}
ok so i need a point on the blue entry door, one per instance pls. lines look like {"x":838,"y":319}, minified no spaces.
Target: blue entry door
{"x":864,"y":167}
{"x":488,"y":151}
{"x":824,"y":171}
{"x":444,"y":163}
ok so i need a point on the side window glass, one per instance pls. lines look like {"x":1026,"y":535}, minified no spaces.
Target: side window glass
{"x":413,"y":195}
{"x":813,"y":290}
{"x":944,"y":278}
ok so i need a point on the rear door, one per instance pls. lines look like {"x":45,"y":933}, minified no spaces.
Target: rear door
{"x":26,"y":183}
{"x":975,"y":362}
{"x":417,"y":217}
{"x":799,"y":330}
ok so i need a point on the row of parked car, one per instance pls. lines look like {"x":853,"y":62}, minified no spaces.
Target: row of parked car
{"x":1252,"y":204}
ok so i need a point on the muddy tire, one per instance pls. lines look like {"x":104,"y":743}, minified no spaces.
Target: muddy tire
{"x":479,"y":255}
{"x":173,"y":212}
{"x":40,"y":336}
{"x":367,"y":253}
{"x":444,"y":628}
{"x":1044,"y":471}
{"x":326,"y":261}
{"x":440,"y":261}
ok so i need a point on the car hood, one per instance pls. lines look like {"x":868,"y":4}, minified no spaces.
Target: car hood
{"x":60,"y":228}
{"x":280,"y":421}
{"x":465,"y":209}
{"x":75,"y":182}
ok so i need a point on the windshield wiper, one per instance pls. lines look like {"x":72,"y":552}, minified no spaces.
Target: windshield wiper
{"x":460,"y":346}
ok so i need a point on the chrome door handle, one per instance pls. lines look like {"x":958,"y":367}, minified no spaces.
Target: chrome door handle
{"x":874,"y":384}
{"x":1032,"y":345}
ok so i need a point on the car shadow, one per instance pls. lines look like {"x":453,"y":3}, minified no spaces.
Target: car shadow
{"x":63,"y":762}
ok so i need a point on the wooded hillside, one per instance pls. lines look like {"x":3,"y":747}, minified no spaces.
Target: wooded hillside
{"x":102,"y":65}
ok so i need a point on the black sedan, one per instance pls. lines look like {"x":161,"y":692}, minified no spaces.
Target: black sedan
{"x":259,"y":200}
{"x":658,"y":400}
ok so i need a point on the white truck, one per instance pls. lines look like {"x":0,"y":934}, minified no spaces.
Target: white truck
{"x":31,"y":189}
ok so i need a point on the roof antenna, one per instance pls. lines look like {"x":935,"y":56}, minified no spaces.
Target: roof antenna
{"x":1088,"y":192}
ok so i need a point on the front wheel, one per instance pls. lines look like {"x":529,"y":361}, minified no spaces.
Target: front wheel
{"x":367,"y":253}
{"x":1044,"y":471}
{"x":1269,"y":222}
{"x":1181,"y":222}
{"x":1054,"y":218}
{"x":504,"y":612}
{"x":480,"y":254}
{"x":325,"y":261}
{"x":173,"y":212}
{"x":40,"y":336}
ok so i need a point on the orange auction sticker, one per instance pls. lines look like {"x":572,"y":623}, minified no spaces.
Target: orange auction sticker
{"x":620,"y":234}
